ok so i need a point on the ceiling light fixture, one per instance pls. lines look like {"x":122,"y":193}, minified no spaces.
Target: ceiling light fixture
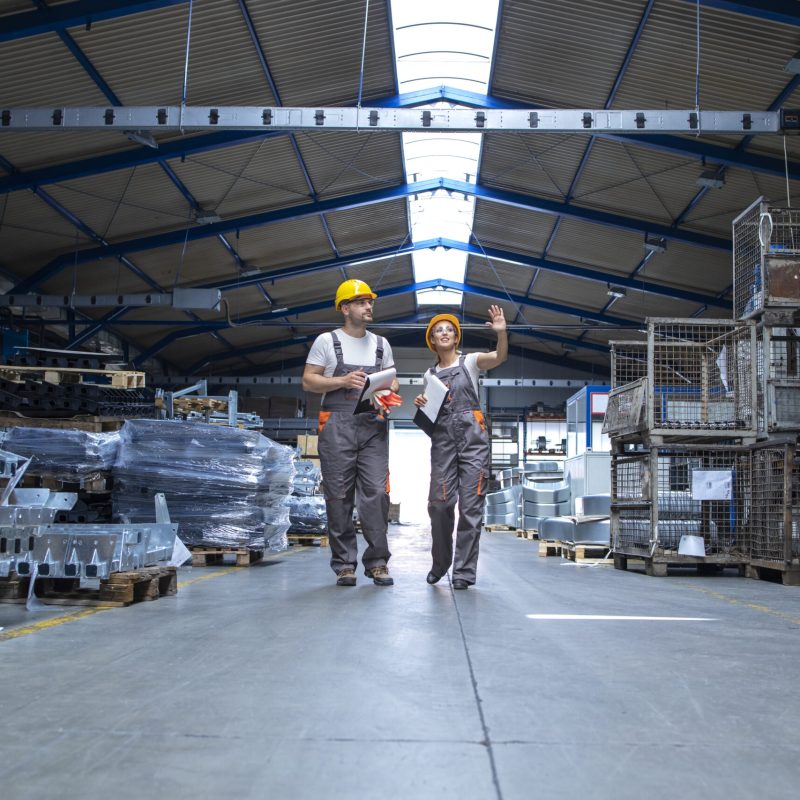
{"x":711,"y":179}
{"x":655,"y":244}
{"x":793,"y":65}
{"x":207,"y":218}
{"x":142,"y":137}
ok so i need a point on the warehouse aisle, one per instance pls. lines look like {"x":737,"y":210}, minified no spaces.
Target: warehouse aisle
{"x":270,"y":681}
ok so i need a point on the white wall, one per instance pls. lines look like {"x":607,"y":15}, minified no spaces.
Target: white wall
{"x":410,"y":473}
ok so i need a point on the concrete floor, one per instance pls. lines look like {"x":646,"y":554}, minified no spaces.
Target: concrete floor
{"x":271,"y":682}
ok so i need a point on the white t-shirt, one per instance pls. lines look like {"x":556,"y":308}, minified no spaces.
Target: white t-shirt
{"x":470,"y":365}
{"x":355,"y":350}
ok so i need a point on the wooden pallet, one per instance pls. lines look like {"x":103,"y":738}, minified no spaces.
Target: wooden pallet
{"x":90,"y":424}
{"x":308,"y":539}
{"x":495,"y":528}
{"x":586,"y":553}
{"x":118,"y":590}
{"x":99,"y":484}
{"x":203,"y":556}
{"x":549,"y":547}
{"x":119,"y":379}
{"x":775,"y":571}
{"x":527,"y":534}
{"x":13,"y":589}
{"x":658,"y":566}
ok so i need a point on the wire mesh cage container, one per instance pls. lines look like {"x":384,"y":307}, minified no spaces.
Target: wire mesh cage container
{"x":628,"y":362}
{"x":775,"y":509}
{"x":681,"y":504}
{"x":700,"y":383}
{"x":778,"y":369}
{"x":766,"y":259}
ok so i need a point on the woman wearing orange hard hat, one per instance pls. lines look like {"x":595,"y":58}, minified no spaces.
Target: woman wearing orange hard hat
{"x":459,"y":447}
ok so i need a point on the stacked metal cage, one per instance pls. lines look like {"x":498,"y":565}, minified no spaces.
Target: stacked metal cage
{"x":681,"y":414}
{"x":766,"y":290}
{"x":775,"y":510}
{"x":682,"y":504}
{"x":699,"y":382}
{"x":766,"y":262}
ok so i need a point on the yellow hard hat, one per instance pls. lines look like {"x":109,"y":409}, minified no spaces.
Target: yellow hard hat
{"x":351,"y":289}
{"x":442,"y":318}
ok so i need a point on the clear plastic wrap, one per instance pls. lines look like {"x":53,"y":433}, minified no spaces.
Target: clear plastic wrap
{"x":308,"y":515}
{"x":307,"y":478}
{"x":224,"y":486}
{"x":69,"y":455}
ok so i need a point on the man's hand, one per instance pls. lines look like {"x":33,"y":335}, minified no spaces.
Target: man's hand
{"x":353,"y":380}
{"x":420,"y":400}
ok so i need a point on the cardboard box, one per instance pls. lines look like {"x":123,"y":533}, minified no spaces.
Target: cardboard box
{"x":394,"y":512}
{"x":307,"y":442}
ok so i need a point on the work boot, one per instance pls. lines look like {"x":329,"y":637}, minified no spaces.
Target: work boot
{"x":346,"y":577}
{"x":380,"y":576}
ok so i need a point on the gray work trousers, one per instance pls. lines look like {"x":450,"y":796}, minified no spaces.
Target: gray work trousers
{"x":354,"y":459}
{"x":459,"y":471}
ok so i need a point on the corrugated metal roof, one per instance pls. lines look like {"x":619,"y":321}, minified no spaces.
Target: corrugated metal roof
{"x":565,"y":55}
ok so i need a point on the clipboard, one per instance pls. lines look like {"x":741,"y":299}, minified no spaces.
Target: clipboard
{"x":426,"y":417}
{"x":374,"y":383}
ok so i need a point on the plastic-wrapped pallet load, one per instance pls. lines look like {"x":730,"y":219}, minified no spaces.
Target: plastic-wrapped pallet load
{"x":308,"y":515}
{"x":69,"y":455}
{"x":226,"y":487}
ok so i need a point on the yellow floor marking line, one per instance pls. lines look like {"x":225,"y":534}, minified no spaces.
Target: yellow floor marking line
{"x":74,"y":616}
{"x":228,"y":570}
{"x":734,"y":602}
{"x":44,"y":624}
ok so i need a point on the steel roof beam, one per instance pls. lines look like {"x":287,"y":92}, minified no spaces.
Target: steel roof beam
{"x":186,"y":146}
{"x":677,"y":145}
{"x":360,"y":200}
{"x":784,"y":11}
{"x":509,"y":256}
{"x":323,"y":305}
{"x":68,"y":15}
{"x":130,"y":157}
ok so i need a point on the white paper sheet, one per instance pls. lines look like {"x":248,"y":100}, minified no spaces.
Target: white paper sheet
{"x":436,"y":392}
{"x":712,"y":484}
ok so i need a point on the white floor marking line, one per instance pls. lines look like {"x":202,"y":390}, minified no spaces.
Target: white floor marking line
{"x":618,"y":617}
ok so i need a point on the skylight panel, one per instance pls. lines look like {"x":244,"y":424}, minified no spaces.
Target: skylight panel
{"x":451,"y":43}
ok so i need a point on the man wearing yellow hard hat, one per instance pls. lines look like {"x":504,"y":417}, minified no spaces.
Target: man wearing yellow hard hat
{"x":353,"y":448}
{"x":459,"y":447}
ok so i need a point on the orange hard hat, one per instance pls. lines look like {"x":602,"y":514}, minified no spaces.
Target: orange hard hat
{"x":442,"y":318}
{"x":351,"y":289}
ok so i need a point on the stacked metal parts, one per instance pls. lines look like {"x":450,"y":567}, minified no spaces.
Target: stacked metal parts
{"x":528,"y":493}
{"x":67,"y":385}
{"x":704,"y":418}
{"x":225,"y":486}
{"x":32,"y":544}
{"x":69,"y":455}
{"x":307,"y":512}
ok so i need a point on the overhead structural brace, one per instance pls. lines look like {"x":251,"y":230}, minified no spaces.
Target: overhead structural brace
{"x":142,"y":119}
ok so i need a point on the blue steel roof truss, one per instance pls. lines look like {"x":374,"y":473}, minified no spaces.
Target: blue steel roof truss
{"x":59,"y":18}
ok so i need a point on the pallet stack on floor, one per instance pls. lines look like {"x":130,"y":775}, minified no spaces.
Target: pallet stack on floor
{"x":702,"y":470}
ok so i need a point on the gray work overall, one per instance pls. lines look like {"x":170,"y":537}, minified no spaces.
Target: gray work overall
{"x":354,"y":458}
{"x":459,"y":471}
